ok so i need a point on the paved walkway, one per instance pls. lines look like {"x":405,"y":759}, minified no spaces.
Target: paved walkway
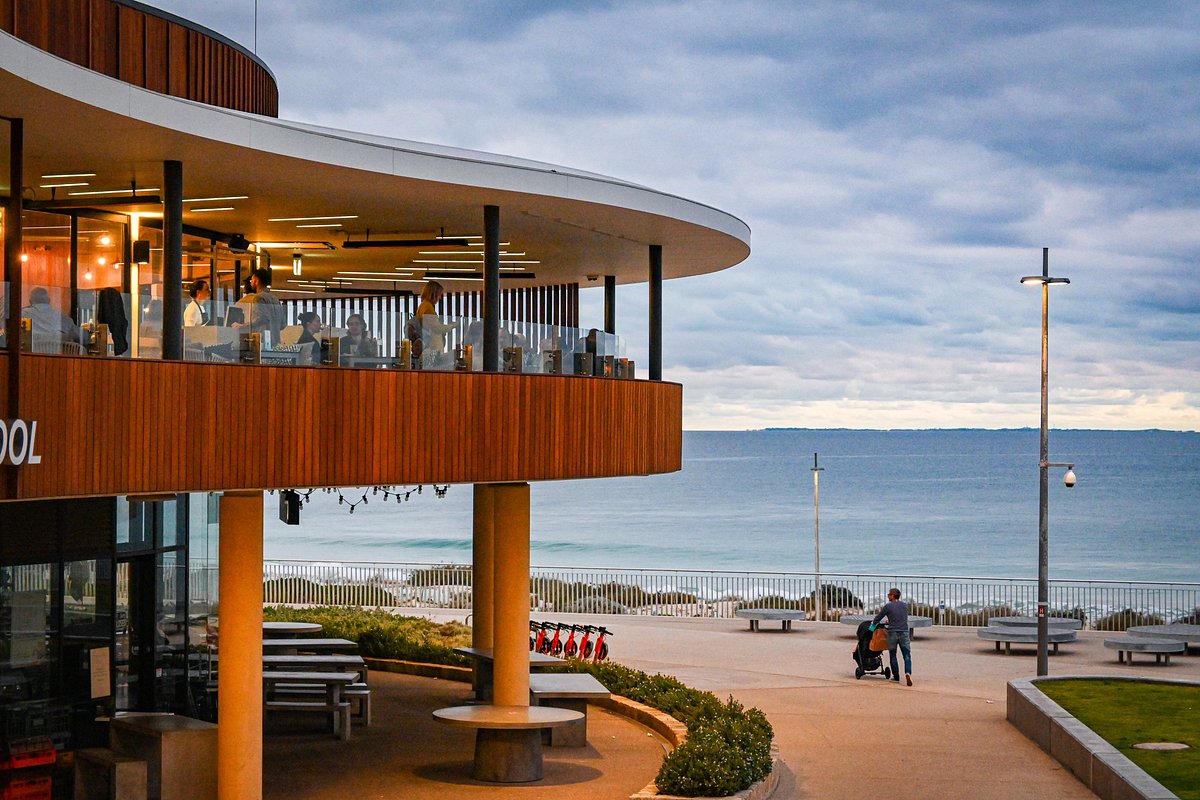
{"x":946,"y":737}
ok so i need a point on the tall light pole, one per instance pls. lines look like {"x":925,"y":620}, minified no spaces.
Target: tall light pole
{"x":817,"y":537}
{"x":1043,"y":625}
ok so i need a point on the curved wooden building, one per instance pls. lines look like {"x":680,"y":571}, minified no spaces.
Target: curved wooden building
{"x":141,"y":161}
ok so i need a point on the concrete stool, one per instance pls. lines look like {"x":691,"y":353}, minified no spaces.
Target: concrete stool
{"x":101,"y":774}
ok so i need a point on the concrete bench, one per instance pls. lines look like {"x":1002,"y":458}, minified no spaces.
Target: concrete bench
{"x":180,"y":753}
{"x":101,"y":774}
{"x":508,"y":739}
{"x":483,"y":673}
{"x":291,"y":647}
{"x":1010,"y":636}
{"x":333,"y":704}
{"x":914,"y":621}
{"x":569,"y":690}
{"x":354,"y":691}
{"x":757,"y":615}
{"x":1162,"y":649}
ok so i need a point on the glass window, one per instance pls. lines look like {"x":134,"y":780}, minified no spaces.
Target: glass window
{"x":28,"y":633}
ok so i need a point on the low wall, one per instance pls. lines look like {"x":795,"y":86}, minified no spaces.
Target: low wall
{"x":1097,"y":764}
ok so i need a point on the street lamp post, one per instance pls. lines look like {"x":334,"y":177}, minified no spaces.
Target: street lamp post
{"x":817,"y":537}
{"x":1043,"y":627}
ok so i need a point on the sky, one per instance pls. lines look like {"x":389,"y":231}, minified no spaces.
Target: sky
{"x":901,"y":166}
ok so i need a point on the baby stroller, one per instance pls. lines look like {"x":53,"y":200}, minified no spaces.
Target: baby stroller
{"x":868,"y":661}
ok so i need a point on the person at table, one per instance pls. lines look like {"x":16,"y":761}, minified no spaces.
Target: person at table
{"x":263,"y":310}
{"x":426,"y":330}
{"x":358,"y":341}
{"x":196,"y":311}
{"x":50,"y":325}
{"x":310,"y":322}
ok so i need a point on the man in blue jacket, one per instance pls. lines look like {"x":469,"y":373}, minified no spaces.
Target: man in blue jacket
{"x":896,"y":613}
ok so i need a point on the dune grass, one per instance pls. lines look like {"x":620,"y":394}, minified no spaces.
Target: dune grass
{"x":1125,"y":713}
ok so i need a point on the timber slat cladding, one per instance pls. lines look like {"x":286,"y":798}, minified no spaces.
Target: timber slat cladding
{"x":145,"y":50}
{"x":116,"y":426}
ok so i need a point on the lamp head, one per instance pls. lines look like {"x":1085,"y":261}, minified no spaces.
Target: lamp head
{"x":1069,"y":478}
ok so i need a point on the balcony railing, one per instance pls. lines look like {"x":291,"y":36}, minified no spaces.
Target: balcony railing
{"x":249,"y":335}
{"x":1110,"y":605}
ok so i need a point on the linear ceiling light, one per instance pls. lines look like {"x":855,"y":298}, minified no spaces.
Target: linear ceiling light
{"x":215,"y":199}
{"x":321,"y":225}
{"x":61,"y":185}
{"x":463,"y":261}
{"x":214,"y":208}
{"x":111,"y":191}
{"x":53,"y":175}
{"x":295,"y":246}
{"x":477,"y":276}
{"x":360,"y":243}
{"x":311,"y":219}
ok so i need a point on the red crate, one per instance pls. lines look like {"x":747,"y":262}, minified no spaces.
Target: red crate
{"x":31,"y":787}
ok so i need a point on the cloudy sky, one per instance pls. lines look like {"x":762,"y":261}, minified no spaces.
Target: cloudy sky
{"x":900,"y":166}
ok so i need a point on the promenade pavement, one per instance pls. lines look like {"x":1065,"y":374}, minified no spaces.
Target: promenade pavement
{"x":945,"y":737}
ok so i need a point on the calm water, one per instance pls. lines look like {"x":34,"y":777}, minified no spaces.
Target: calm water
{"x":960,"y":502}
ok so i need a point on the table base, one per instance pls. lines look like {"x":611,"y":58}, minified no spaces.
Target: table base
{"x":508,"y":756}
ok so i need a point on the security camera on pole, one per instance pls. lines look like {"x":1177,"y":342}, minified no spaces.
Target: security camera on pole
{"x":1043,"y":602}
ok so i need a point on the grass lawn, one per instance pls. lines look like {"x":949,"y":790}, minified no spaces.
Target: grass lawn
{"x":1125,"y":713}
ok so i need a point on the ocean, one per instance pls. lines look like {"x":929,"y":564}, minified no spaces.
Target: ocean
{"x":929,"y":502}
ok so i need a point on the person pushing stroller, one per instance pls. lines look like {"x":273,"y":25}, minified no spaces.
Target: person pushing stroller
{"x":899,"y":634}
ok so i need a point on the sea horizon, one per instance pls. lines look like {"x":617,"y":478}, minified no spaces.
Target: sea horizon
{"x":948,"y":501}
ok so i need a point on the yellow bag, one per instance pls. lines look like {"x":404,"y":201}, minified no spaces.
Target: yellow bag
{"x":879,"y":641}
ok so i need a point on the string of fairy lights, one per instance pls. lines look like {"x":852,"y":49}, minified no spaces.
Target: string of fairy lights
{"x":401,"y":494}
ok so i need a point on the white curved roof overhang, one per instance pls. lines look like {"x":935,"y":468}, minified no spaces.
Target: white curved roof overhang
{"x":575,"y":223}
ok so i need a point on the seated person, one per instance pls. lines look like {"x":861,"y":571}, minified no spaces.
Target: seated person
{"x":358,"y":341}
{"x":50,"y":326}
{"x":310,"y":336}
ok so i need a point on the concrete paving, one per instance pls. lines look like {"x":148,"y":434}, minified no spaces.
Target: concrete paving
{"x":945,"y":737}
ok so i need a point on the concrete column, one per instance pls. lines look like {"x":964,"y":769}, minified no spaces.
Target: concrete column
{"x":482,"y":579}
{"x":239,"y":705}
{"x":172,"y":318}
{"x":13,"y":245}
{"x":511,"y":625}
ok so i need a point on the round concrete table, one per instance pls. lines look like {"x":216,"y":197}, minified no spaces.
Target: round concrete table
{"x":1068,"y":623}
{"x":1144,"y":644}
{"x":508,"y":739}
{"x":914,"y":621}
{"x":1182,"y":631}
{"x":280,"y":630}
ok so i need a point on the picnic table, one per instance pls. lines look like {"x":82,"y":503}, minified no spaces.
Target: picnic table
{"x":1008,"y":636}
{"x":1069,"y":623}
{"x":508,"y":739}
{"x":1182,"y":631}
{"x":484,"y":658}
{"x":1126,"y":646}
{"x":782,"y":615}
{"x":285,"y":647}
{"x":273,"y":630}
{"x":323,"y":663}
{"x":333,"y":703}
{"x":914,"y":621}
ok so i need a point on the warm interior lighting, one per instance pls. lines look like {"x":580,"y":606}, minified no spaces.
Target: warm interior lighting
{"x":215,"y":199}
{"x":106,"y":240}
{"x":54,"y":175}
{"x":112,"y":191}
{"x":311,"y":219}
{"x":61,"y":185}
{"x":212,"y":208}
{"x":24,"y":257}
{"x":295,"y":246}
{"x":321,"y":225}
{"x":102,"y":261}
{"x":87,"y":276}
{"x":297,"y":263}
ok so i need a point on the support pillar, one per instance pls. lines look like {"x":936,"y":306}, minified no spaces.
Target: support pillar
{"x":482,"y":578}
{"x":511,"y":618}
{"x":13,"y":245}
{"x":239,"y":704}
{"x":610,"y":303}
{"x":491,"y":288}
{"x":74,"y":259}
{"x":656,"y":312}
{"x":172,"y":319}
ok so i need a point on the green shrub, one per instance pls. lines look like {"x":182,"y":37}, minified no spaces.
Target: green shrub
{"x":1120,"y":620}
{"x":380,"y":634}
{"x":728,"y":748}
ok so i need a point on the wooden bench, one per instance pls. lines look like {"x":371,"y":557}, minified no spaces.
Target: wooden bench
{"x":1010,"y":636}
{"x":508,"y":739}
{"x":1162,"y":649}
{"x":101,"y":774}
{"x":569,"y":690}
{"x":333,"y":683}
{"x":757,"y":615}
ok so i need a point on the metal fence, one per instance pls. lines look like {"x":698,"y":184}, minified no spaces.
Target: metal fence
{"x":1107,"y":605}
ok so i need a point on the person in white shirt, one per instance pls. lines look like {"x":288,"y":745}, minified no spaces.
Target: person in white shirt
{"x":196,"y":312}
